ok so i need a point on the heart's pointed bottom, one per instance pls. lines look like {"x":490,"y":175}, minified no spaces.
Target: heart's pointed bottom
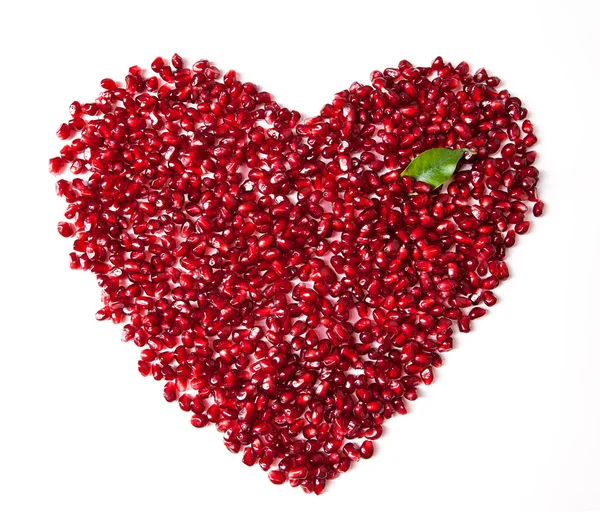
{"x":281,"y":277}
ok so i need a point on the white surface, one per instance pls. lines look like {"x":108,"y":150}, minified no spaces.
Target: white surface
{"x":512,"y":423}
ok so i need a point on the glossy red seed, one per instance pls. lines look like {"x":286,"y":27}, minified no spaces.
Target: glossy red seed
{"x":170,"y":392}
{"x":477,"y":312}
{"x":522,"y":227}
{"x":108,"y":84}
{"x":489,"y":299}
{"x":427,"y":375}
{"x":65,"y":229}
{"x":56,"y":165}
{"x":366,"y":449}
{"x":464,"y":324}
{"x":199,"y":421}
{"x":177,"y":61}
{"x":299,"y":472}
{"x":277,"y":477}
{"x":64,"y":132}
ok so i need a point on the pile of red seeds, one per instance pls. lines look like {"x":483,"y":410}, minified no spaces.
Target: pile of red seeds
{"x":280,"y":276}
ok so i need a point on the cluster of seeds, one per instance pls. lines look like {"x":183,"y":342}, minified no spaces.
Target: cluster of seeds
{"x":280,"y":276}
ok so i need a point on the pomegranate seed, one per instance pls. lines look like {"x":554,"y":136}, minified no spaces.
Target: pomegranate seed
{"x":366,"y":449}
{"x":108,"y":84}
{"x":65,"y":229}
{"x":464,"y":324}
{"x":64,"y":132}
{"x":299,"y":472}
{"x":236,"y":243}
{"x":170,"y":392}
{"x":177,"y":61}
{"x":277,"y":477}
{"x":477,"y":312}
{"x":57,"y":165}
{"x":427,"y":375}
{"x":199,"y":421}
{"x":522,"y":227}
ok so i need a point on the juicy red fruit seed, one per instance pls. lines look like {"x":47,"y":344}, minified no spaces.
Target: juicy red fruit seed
{"x":56,"y":165}
{"x":277,"y":477}
{"x":108,"y":84}
{"x":538,"y":209}
{"x":237,"y":242}
{"x":65,"y":229}
{"x":366,"y":449}
{"x":522,"y":227}
{"x":64,"y":132}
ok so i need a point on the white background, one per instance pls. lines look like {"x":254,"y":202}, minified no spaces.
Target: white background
{"x":512,"y":424}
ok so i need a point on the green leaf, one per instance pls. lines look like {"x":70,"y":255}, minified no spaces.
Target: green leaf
{"x":435,"y":166}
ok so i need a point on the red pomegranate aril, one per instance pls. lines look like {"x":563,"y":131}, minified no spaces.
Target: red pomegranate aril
{"x":489,"y":167}
{"x":299,"y":472}
{"x":366,"y":449}
{"x":64,"y":132}
{"x":277,"y":477}
{"x":199,"y":421}
{"x":477,"y":312}
{"x":170,"y":392}
{"x":446,"y":285}
{"x":65,"y":229}
{"x":177,"y":61}
{"x":427,"y":375}
{"x":489,"y":299}
{"x":490,"y":283}
{"x":464,"y":324}
{"x":157,"y":64}
{"x":522,"y":227}
{"x":253,"y":297}
{"x":249,"y":457}
{"x":108,"y":84}
{"x":56,"y":165}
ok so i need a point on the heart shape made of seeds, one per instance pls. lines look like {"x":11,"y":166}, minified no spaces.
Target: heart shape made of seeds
{"x":281,"y":276}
